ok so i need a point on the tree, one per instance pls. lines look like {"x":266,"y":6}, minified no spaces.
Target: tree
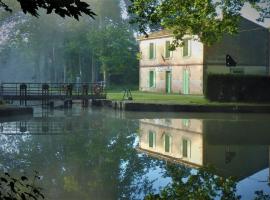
{"x":70,"y":8}
{"x":115,"y":48}
{"x":208,"y":20}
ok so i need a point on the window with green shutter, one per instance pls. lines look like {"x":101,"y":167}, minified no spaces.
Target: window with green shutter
{"x":186,"y":148}
{"x":152,"y":139}
{"x":151,"y":51}
{"x":186,"y":48}
{"x":167,"y":50}
{"x":151,"y":79}
{"x":167,"y":143}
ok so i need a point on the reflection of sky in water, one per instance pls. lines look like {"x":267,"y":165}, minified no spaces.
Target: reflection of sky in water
{"x":66,"y":157}
{"x":258,"y":181}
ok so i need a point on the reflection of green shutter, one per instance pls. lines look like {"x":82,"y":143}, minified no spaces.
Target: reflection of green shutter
{"x":185,"y":122}
{"x":151,"y":51}
{"x":167,"y":49}
{"x":186,"y":148}
{"x":186,"y":48}
{"x":151,"y":79}
{"x":151,"y":137}
{"x":167,"y":143}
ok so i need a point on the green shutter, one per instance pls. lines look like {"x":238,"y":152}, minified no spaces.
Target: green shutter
{"x":185,"y":85}
{"x":168,"y":81}
{"x":151,"y":50}
{"x":167,"y":50}
{"x":185,"y":148}
{"x":186,"y":48}
{"x":185,"y":122}
{"x":167,"y":143}
{"x":151,"y":137}
{"x":151,"y":79}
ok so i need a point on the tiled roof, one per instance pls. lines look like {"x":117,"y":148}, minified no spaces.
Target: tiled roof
{"x":156,"y":34}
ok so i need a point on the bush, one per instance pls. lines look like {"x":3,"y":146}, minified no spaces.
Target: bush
{"x":237,"y":88}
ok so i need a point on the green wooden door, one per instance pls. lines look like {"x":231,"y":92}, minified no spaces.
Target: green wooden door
{"x":168,"y":82}
{"x":185,"y":81}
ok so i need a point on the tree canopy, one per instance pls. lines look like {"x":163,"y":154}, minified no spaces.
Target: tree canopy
{"x":70,"y":8}
{"x":207,"y":19}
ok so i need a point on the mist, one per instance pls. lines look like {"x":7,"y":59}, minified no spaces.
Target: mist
{"x":54,"y":49}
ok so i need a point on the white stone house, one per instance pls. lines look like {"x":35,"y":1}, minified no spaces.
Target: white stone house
{"x":183,"y":71}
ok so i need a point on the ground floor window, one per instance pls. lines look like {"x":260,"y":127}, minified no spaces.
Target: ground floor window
{"x":152,"y":79}
{"x":168,"y":82}
{"x":152,"y":139}
{"x":186,"y":148}
{"x":186,"y":79}
{"x":167,"y":143}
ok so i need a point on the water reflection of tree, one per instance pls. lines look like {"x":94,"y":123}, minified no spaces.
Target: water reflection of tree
{"x":201,"y":184}
{"x":100,"y":163}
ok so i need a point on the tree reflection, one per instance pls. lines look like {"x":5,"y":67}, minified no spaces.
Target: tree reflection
{"x":99,"y":162}
{"x":201,"y":184}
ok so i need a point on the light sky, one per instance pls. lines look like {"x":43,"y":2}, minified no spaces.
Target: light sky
{"x":252,"y":15}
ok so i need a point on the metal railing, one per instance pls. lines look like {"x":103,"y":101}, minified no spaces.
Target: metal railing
{"x":38,"y":91}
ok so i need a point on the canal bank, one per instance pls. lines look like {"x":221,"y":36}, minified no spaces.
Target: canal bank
{"x":8,"y":110}
{"x":163,"y":107}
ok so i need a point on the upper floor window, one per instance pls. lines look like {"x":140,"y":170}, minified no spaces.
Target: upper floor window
{"x":152,"y":50}
{"x":168,"y":52}
{"x":186,"y":47}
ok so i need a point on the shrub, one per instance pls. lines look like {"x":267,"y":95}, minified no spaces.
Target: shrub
{"x":238,"y":88}
{"x":19,"y":188}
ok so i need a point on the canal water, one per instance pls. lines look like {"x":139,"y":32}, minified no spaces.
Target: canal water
{"x":106,"y":154}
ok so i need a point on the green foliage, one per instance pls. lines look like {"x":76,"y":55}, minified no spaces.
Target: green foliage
{"x":260,"y":195}
{"x":73,"y":8}
{"x":238,"y":88}
{"x":201,"y":185}
{"x":115,"y":48}
{"x":208,"y":20}
{"x":19,"y":188}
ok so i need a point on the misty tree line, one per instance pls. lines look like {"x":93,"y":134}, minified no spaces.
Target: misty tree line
{"x":52,"y":49}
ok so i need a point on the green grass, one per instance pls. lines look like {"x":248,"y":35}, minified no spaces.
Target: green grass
{"x":161,"y":98}
{"x":147,"y":97}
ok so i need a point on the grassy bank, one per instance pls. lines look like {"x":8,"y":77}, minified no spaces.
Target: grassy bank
{"x":148,"y":97}
{"x":161,"y":98}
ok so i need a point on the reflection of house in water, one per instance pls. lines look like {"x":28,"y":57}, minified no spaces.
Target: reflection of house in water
{"x":187,"y":141}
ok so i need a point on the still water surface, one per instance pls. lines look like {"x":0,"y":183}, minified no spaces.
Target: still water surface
{"x":105,"y":154}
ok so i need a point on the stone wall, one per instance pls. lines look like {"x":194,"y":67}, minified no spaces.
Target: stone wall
{"x":196,"y":79}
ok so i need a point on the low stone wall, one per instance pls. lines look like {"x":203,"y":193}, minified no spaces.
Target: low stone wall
{"x":196,"y":108}
{"x":152,"y":107}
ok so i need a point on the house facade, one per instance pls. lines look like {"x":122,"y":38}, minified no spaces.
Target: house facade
{"x":183,"y":71}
